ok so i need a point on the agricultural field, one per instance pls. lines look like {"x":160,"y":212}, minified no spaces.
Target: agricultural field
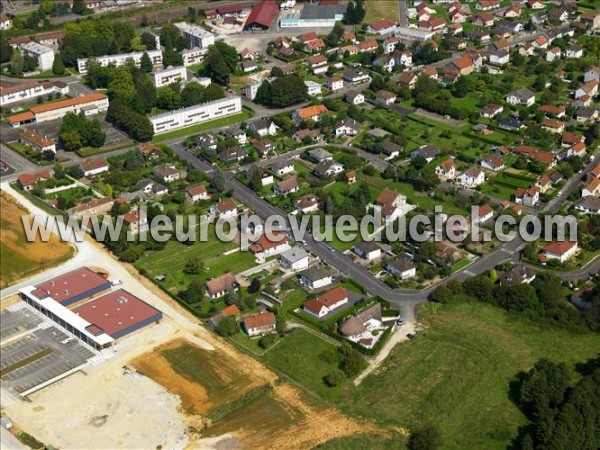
{"x":458,"y":372}
{"x":21,"y":258}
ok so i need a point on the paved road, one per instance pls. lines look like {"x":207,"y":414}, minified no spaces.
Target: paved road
{"x":16,"y":161}
{"x":403,"y":9}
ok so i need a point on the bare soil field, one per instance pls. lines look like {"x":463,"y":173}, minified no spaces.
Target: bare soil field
{"x":21,"y":258}
{"x":209,"y":382}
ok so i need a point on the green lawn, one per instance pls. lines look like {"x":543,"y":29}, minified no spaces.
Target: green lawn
{"x":172,"y":259}
{"x":380,"y":9}
{"x":91,"y":151}
{"x":457,"y":373}
{"x":297,"y":356}
{"x":195,"y":129}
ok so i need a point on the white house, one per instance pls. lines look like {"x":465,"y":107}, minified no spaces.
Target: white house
{"x":367,"y":250}
{"x":446,"y":170}
{"x":521,"y":96}
{"x":574,"y":52}
{"x":120,"y":59}
{"x":316,"y":277}
{"x":347,"y":127}
{"x":168,"y":76}
{"x":43,"y":54}
{"x":272,"y":245}
{"x":5,"y":22}
{"x":561,"y":250}
{"x":294,"y":259}
{"x":93,"y":166}
{"x":167,"y":173}
{"x":401,"y":267}
{"x":313,"y":88}
{"x":224,"y":209}
{"x":34,"y":139}
{"x":492,"y":162}
{"x":263,"y":127}
{"x":592,"y":188}
{"x":327,"y":302}
{"x":471,"y":178}
{"x":307,"y":204}
{"x":196,"y":35}
{"x":355,"y":98}
{"x":196,"y":192}
{"x":281,"y":168}
{"x":335,"y":83}
{"x":528,"y":197}
{"x":260,"y":324}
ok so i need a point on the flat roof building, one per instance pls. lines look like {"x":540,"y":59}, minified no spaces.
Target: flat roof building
{"x":314,"y":16}
{"x":43,"y":54}
{"x":29,"y":90}
{"x":169,"y":75}
{"x":71,"y":287}
{"x":117,"y":314}
{"x":192,"y":115}
{"x":195,"y":35}
{"x":121,"y":59}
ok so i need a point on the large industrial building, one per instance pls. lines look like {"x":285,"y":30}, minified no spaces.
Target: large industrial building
{"x":121,"y":59}
{"x":195,"y":35}
{"x":90,"y":104}
{"x":262,"y":16}
{"x":44,"y":55}
{"x":195,"y":114}
{"x":97,"y":321}
{"x":314,"y":16}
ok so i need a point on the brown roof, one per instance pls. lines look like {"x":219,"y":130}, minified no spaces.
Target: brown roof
{"x":35,"y":138}
{"x":307,"y":200}
{"x":462,"y":63}
{"x":223,"y":283}
{"x":572,"y":138}
{"x":328,"y":299}
{"x":91,"y":205}
{"x":27,"y":179}
{"x":288,"y":184}
{"x":93,"y":163}
{"x":196,"y":189}
{"x":260,"y":320}
{"x":356,"y":324}
{"x":553,"y":123}
{"x":550,"y":109}
{"x":226,"y":205}
{"x":559,"y":247}
{"x":382,"y":24}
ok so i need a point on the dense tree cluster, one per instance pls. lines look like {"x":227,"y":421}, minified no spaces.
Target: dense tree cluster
{"x":76,"y":132}
{"x":220,"y":62}
{"x":133,"y":123}
{"x":174,"y":97}
{"x":355,"y":13}
{"x":282,"y":92}
{"x":95,"y":38}
{"x":564,"y":415}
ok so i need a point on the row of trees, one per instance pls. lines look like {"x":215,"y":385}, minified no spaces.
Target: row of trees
{"x":355,"y":13}
{"x":173,"y":96}
{"x":76,"y":132}
{"x":284,"y":91}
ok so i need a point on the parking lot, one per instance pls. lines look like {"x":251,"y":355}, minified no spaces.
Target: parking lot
{"x":41,"y":354}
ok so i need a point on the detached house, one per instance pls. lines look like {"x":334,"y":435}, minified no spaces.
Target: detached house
{"x":265,"y":177}
{"x":483,"y":19}
{"x":401,"y":267}
{"x":196,"y":192}
{"x":307,"y":204}
{"x":385,"y":97}
{"x":560,"y":250}
{"x":267,"y":246}
{"x":356,"y":98}
{"x":493,"y":163}
{"x":224,"y":209}
{"x":260,"y":324}
{"x":490,"y":111}
{"x":310,"y":113}
{"x":446,"y":170}
{"x":167,"y":173}
{"x":367,"y":250}
{"x":27,"y":181}
{"x":390,"y":204}
{"x":316,"y":277}
{"x":521,"y":96}
{"x":327,"y":302}
{"x":592,"y":188}
{"x":527,"y":197}
{"x":281,"y":168}
{"x":553,"y":125}
{"x":471,"y":178}
{"x":286,"y":187}
{"x":381,"y":27}
{"x":93,"y":166}
{"x":263,"y":127}
{"x":347,"y":127}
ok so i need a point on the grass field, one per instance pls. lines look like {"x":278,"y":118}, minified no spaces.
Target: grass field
{"x":172,"y":259}
{"x":19,"y":257}
{"x":297,"y":355}
{"x":195,"y":129}
{"x":458,"y":373}
{"x":380,"y":9}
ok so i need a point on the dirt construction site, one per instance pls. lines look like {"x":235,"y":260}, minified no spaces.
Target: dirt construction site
{"x":173,"y":384}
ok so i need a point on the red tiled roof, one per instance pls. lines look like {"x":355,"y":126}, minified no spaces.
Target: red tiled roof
{"x":559,"y":247}
{"x":260,"y":320}
{"x":27,"y":179}
{"x":263,"y":14}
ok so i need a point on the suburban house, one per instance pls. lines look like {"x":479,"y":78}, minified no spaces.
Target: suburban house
{"x":150,"y":151}
{"x":574,"y":52}
{"x":265,"y":177}
{"x":408,"y":79}
{"x":207,"y":141}
{"x":490,"y":111}
{"x":260,"y":324}
{"x":347,"y":127}
{"x":592,"y":188}
{"x":492,"y":162}
{"x":588,"y":205}
{"x":519,"y":274}
{"x":167,"y":173}
{"x":286,"y":187}
{"x":316,"y":277}
{"x":391,"y":150}
{"x":233,"y":155}
{"x":224,"y":209}
{"x":281,"y":168}
{"x":527,"y":197}
{"x":381,"y":27}
{"x":34,"y":139}
{"x":357,"y":75}
{"x":218,"y":287}
{"x":309,"y":113}
{"x":385,"y":97}
{"x":484,"y":213}
{"x":231,"y":310}
{"x":543,"y":184}
{"x":328,"y":168}
{"x":294,"y":259}
{"x":522,"y":96}
{"x":92,"y":208}
{"x":308,"y":203}
{"x":486,"y":5}
{"x":319,"y":155}
{"x":590,"y":89}
{"x":360,"y":328}
{"x":356,"y":98}
{"x":93,"y":166}
{"x":401,"y":267}
{"x":446,"y":170}
{"x":569,"y":139}
{"x":483,"y":19}
{"x":428,"y":151}
{"x":334,"y":83}
{"x":327,"y":302}
{"x":560,"y":250}
{"x":27,"y":181}
{"x":556,"y":111}
{"x":390,"y":204}
{"x":471,"y":178}
{"x":136,"y":221}
{"x":553,"y":125}
{"x":368,"y":46}
{"x":263,"y":127}
{"x":265,"y":247}
{"x":368,"y":250}
{"x":196,"y":192}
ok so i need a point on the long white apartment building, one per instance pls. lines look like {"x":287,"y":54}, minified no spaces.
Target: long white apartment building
{"x":193,"y":115}
{"x":30,"y":90}
{"x":195,"y":35}
{"x":43,"y":54}
{"x":169,"y":75}
{"x":121,"y":59}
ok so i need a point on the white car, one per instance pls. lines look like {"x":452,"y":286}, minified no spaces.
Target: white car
{"x":116,"y":282}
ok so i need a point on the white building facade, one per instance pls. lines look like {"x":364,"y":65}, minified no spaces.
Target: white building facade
{"x":121,"y":59}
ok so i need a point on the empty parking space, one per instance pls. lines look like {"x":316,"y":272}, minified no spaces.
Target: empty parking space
{"x":17,"y":321}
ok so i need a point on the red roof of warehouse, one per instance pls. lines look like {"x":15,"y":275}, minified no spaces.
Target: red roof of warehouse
{"x":116,"y":311}
{"x":70,"y":285}
{"x":263,"y":14}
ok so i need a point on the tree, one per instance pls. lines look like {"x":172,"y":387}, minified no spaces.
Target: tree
{"x":544,"y":387}
{"x":334,"y":378}
{"x":218,"y":181}
{"x":282,"y":92}
{"x":6,"y":50}
{"x":195,"y":292}
{"x":353,"y":363}
{"x":267,"y":340}
{"x":172,"y":58}
{"x":227,"y":326}
{"x":254,"y":285}
{"x":193,"y":266}
{"x":146,"y":63}
{"x":192,"y":94}
{"x":70,"y":141}
{"x":212,"y":92}
{"x":281,"y":324}
{"x":58,"y":67}
{"x":427,"y":437}
{"x":442,"y":294}
{"x":216,"y":67}
{"x":78,"y":7}
{"x":16,"y":63}
{"x":148,"y":40}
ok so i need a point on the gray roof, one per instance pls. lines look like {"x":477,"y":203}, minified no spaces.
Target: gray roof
{"x":522,"y":93}
{"x":317,"y":273}
{"x":367,"y":246}
{"x":294,"y":254}
{"x":356,"y":324}
{"x":319,"y":153}
{"x":310,"y":12}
